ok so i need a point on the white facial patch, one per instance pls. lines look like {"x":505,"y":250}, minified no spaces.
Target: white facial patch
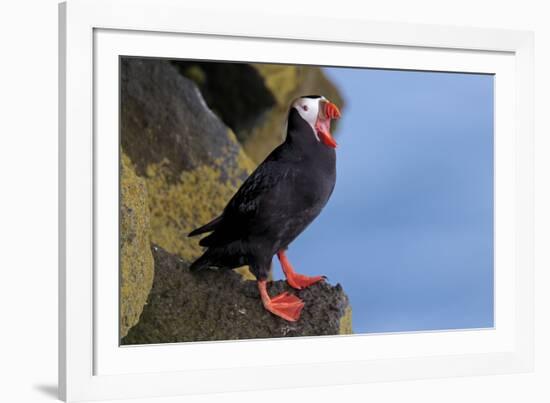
{"x":308,"y":108}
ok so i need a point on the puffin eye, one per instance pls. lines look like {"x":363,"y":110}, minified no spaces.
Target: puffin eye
{"x":304,"y":107}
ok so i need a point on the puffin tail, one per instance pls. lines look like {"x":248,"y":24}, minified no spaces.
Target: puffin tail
{"x":211,"y":226}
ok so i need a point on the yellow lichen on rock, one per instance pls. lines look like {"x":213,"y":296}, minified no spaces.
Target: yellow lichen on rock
{"x":178,"y":208}
{"x":282,"y":80}
{"x":136,"y":259}
{"x":346,"y":322}
{"x":245,"y":272}
{"x":197,"y":197}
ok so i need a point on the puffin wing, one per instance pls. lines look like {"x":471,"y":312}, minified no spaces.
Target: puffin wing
{"x":250,"y":211}
{"x":211,"y":226}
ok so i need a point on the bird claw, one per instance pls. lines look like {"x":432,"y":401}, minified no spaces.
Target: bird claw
{"x":296,"y":280}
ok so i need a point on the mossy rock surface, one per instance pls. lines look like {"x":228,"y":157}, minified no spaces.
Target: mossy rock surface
{"x":165,"y":120}
{"x":136,"y":259}
{"x":346,"y":325}
{"x":191,"y":162}
{"x":220,"y":305}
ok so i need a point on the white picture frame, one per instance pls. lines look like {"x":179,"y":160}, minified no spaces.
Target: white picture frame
{"x":93,"y":33}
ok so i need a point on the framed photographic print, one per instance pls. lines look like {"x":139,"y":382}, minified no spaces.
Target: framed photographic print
{"x":242,"y":207}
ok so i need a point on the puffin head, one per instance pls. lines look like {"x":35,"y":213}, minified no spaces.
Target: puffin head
{"x":318,"y":111}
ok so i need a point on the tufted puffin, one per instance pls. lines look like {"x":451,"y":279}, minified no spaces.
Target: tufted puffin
{"x":285,"y":193}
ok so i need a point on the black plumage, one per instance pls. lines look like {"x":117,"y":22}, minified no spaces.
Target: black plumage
{"x":285,"y":193}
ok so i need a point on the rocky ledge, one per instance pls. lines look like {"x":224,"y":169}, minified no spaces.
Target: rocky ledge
{"x":221,"y":305}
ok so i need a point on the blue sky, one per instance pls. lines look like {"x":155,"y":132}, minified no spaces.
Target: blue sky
{"x":408,"y":231}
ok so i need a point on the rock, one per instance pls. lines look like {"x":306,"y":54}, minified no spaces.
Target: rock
{"x":236,"y":92}
{"x":220,"y":305}
{"x":190,"y":160}
{"x":136,"y":259}
{"x":253,"y":99}
{"x":165,"y":121}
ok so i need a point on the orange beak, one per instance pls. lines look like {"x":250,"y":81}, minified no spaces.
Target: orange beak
{"x":328,"y":111}
{"x":332,"y":111}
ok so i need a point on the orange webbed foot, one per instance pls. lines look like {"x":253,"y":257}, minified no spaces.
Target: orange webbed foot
{"x":296,"y":280}
{"x":299,"y":281}
{"x":284,"y":305}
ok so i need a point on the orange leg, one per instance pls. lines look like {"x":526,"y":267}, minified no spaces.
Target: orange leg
{"x":294,"y":279}
{"x":284,"y":305}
